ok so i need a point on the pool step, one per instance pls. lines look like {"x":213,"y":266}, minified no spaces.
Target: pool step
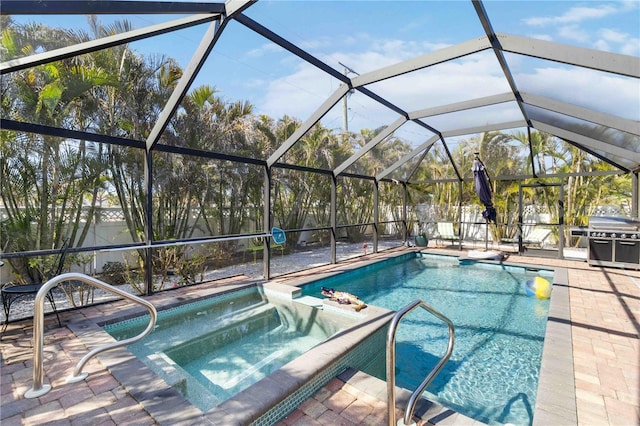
{"x":219,"y":384}
{"x":191,"y":313}
{"x":200,"y":326}
{"x":226,"y":331}
{"x":233,"y":368}
{"x":183,"y":382}
{"x":166,"y":362}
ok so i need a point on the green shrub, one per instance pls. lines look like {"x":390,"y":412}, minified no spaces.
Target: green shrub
{"x":115,"y":273}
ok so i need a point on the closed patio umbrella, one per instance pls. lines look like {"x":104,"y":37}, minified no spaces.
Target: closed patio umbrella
{"x":483,"y":189}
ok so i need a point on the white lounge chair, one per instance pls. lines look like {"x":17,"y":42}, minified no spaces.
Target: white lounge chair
{"x":446,"y":232}
{"x":536,"y":237}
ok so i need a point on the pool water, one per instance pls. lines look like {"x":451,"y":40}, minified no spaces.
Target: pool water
{"x":492,"y":375}
{"x":212,"y":349}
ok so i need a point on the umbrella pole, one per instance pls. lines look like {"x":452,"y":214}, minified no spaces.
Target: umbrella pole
{"x":486,"y":235}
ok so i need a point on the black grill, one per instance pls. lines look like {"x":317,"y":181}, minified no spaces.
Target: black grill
{"x":614,"y":241}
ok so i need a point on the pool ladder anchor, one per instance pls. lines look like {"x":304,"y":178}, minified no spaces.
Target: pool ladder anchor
{"x":391,"y":363}
{"x":38,"y":389}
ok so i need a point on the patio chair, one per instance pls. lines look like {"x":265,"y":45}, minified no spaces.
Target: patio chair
{"x":446,"y":232}
{"x":536,"y":237}
{"x":12,"y":292}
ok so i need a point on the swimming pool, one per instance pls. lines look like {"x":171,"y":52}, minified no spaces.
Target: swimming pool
{"x":492,"y":375}
{"x":212,"y":349}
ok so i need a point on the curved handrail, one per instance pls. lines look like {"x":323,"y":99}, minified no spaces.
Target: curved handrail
{"x":38,"y":388}
{"x":391,"y":361}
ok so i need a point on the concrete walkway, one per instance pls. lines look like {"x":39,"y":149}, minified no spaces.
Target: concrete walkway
{"x":605,"y":330}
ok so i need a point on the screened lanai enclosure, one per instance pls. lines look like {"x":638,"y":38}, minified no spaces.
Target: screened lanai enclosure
{"x":157,"y":143}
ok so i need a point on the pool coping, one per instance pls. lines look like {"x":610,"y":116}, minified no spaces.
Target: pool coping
{"x":556,"y":395}
{"x":555,"y":401}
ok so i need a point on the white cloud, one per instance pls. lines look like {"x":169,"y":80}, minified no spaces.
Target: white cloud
{"x":613,"y":35}
{"x":631,"y":47}
{"x":546,"y":37}
{"x":297,"y":94}
{"x":263,"y":50}
{"x":316,"y":43}
{"x":573,"y":15}
{"x":602,"y":45}
{"x":445,"y":83}
{"x":572,"y":26}
{"x":574,"y":32}
{"x":255,"y":83}
{"x":626,"y":44}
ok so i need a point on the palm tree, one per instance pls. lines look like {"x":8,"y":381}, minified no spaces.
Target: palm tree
{"x":582,"y":193}
{"x":59,"y":179}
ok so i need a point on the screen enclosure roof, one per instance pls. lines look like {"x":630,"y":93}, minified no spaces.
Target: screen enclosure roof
{"x":431,"y":72}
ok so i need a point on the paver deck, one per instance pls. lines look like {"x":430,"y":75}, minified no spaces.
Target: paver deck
{"x":604,"y":331}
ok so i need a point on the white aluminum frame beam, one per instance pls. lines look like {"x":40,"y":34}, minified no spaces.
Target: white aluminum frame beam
{"x":370,"y":145}
{"x":191,"y":71}
{"x":464,"y":105}
{"x":103,"y":43}
{"x":497,"y":50}
{"x":623,"y":65}
{"x":233,"y":7}
{"x":590,"y":143}
{"x":408,"y":157}
{"x":417,"y":165}
{"x":485,"y":128}
{"x":573,"y":55}
{"x":335,"y":97}
{"x":211,"y":36}
{"x":586,"y":114}
{"x":433,"y":58}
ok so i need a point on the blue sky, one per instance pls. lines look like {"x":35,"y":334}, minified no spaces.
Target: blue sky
{"x":367,"y":35}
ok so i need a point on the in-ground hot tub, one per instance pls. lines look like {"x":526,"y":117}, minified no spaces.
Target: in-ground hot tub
{"x":218,"y":352}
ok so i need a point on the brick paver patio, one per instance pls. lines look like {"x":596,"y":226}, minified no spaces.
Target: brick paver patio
{"x":605,"y":328}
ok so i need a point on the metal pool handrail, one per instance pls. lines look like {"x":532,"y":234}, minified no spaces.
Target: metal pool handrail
{"x":391,"y":361}
{"x":38,"y":388}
